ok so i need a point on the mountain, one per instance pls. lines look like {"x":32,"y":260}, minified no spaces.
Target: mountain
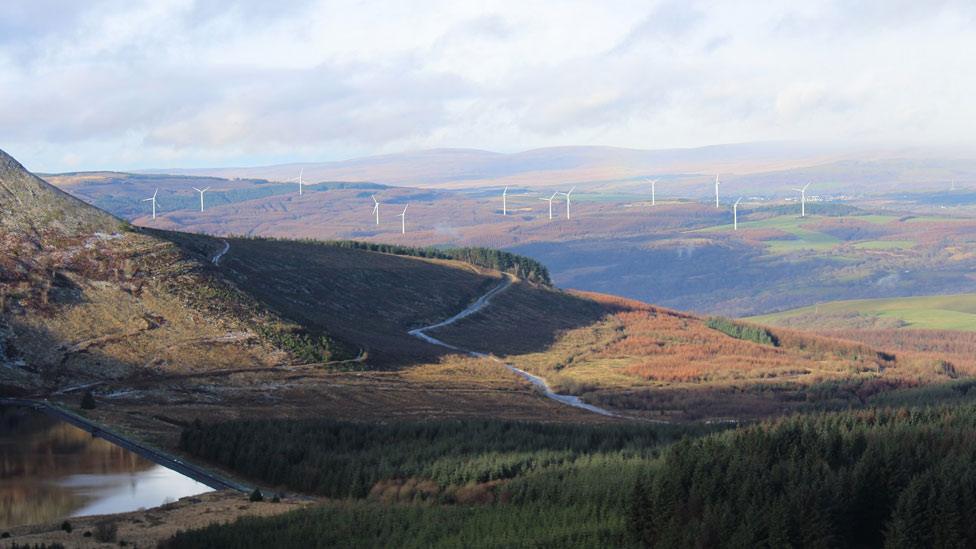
{"x":466,"y":168}
{"x":770,"y":167}
{"x":27,"y":203}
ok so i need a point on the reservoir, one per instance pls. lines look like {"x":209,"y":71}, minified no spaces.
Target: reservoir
{"x":51,"y":470}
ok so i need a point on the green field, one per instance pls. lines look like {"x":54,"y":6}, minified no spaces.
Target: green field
{"x":885,"y":245}
{"x":805,"y":239}
{"x":943,"y":312}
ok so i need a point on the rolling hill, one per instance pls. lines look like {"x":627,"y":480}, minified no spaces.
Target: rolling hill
{"x":292,"y":328}
{"x":156,"y":328}
{"x":771,"y":168}
{"x":680,"y":253}
{"x":254,"y":354}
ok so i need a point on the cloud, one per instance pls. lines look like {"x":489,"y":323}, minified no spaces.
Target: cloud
{"x":112,"y":84}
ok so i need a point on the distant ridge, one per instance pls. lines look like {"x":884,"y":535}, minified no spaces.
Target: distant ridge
{"x":459,"y":168}
{"x":28,"y":203}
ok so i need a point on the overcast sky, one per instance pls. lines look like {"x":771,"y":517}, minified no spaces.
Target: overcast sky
{"x":182,"y":83}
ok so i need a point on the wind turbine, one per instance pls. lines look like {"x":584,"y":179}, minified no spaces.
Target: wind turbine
{"x":301,"y":182}
{"x":201,"y":191}
{"x":567,"y":201}
{"x":403,"y":220}
{"x":735,"y":214}
{"x":153,"y":200}
{"x":653,"y":184}
{"x":505,"y":201}
{"x":803,"y":200}
{"x":717,"y":183}
{"x":550,"y":199}
{"x":376,"y":209}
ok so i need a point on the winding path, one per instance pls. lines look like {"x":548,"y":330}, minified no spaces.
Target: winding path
{"x":536,"y":381}
{"x":220,"y":254}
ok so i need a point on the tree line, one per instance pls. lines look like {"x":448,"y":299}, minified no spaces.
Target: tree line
{"x":741,"y":330}
{"x":523,"y":267}
{"x":870,"y":478}
{"x":346,"y":459}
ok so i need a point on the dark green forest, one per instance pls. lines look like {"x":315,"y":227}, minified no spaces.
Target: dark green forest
{"x":344,"y":459}
{"x":871,"y":478}
{"x":523,"y":267}
{"x":434,"y":484}
{"x":899,"y":477}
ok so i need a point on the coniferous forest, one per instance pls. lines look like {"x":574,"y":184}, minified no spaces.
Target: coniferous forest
{"x":865,"y":478}
{"x":871,"y":478}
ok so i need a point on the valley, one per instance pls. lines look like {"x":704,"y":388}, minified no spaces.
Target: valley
{"x":680,"y":253}
{"x":177,"y":333}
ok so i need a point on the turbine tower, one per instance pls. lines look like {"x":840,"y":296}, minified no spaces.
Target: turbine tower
{"x":567,"y":201}
{"x":505,"y":201}
{"x":717,"y":183}
{"x":301,"y":181}
{"x":803,"y":199}
{"x":403,"y":220}
{"x":550,"y":199}
{"x":201,"y":191}
{"x":735,"y":214}
{"x":376,"y":209}
{"x":153,"y":200}
{"x":653,"y":200}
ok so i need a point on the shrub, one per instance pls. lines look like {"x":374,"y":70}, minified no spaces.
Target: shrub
{"x":66,"y":526}
{"x":88,"y":401}
{"x":256,"y":495}
{"x":106,"y":531}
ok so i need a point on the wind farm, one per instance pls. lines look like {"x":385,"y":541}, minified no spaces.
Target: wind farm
{"x":208,"y":342}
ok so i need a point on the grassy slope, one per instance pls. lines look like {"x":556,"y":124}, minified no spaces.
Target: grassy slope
{"x":663,"y":363}
{"x":944,"y":312}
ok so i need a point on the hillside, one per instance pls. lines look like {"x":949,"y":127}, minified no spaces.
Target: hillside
{"x":292,"y":328}
{"x":941,"y":312}
{"x":680,"y":253}
{"x":28,"y":204}
{"x":663,"y":364}
{"x":149,"y":321}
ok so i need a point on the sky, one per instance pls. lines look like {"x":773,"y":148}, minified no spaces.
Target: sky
{"x":113,"y":84}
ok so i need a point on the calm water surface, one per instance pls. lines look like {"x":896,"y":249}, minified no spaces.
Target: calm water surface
{"x":51,"y":470}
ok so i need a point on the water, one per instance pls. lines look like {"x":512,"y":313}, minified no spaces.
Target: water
{"x":51,"y":470}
